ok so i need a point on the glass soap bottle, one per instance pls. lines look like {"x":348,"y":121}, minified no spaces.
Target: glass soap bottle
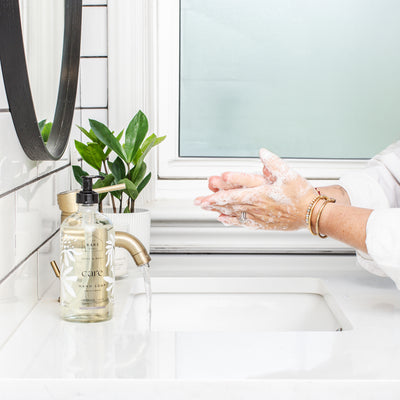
{"x":87,"y":252}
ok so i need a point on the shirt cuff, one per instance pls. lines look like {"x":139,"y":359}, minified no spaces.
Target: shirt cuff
{"x":368,"y":263}
{"x":364,"y":191}
{"x":382,"y":241}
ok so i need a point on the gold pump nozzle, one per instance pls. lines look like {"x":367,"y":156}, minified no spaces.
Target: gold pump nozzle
{"x":67,"y":200}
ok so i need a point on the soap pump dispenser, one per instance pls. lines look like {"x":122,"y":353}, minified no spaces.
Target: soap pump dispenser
{"x":87,"y":250}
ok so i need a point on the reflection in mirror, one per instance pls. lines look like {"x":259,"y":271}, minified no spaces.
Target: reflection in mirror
{"x":50,"y":95}
{"x":42,"y":28}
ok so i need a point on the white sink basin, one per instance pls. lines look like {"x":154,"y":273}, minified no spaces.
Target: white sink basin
{"x":241,"y":305}
{"x":202,"y":328}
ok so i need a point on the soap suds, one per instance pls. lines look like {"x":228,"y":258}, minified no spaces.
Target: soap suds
{"x":272,"y":201}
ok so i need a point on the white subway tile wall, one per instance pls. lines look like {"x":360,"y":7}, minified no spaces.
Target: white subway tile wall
{"x":94,"y":32}
{"x":18,"y":295}
{"x":29,"y":233}
{"x":7,"y":233}
{"x":93,"y":82}
{"x":78,"y":92}
{"x":15,"y":167}
{"x":48,"y":252}
{"x":94,"y":2}
{"x":75,"y":135}
{"x":99,"y":114}
{"x":37,"y":215}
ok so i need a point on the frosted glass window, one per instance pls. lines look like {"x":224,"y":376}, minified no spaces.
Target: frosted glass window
{"x":304,"y":78}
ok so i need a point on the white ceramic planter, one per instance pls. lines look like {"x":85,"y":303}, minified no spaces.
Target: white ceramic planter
{"x":137,"y":224}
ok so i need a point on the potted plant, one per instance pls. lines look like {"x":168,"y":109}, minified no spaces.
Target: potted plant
{"x":118,"y":163}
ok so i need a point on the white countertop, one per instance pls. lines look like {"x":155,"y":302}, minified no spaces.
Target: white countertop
{"x":48,"y":354}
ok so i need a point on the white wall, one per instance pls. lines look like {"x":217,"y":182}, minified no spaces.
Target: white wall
{"x":29,"y":216}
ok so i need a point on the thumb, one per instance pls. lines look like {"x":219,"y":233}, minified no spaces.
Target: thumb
{"x":273,"y":165}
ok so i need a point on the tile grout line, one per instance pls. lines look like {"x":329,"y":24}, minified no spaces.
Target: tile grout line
{"x":94,"y":57}
{"x":34,"y":180}
{"x":91,"y":108}
{"x":93,"y":5}
{"x":29,"y":256}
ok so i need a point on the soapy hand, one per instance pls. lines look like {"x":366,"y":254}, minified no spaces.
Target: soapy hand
{"x":276,"y":200}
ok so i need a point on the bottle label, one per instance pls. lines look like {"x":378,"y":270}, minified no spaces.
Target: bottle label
{"x":87,"y":277}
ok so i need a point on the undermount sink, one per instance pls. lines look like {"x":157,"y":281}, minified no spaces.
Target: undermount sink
{"x":202,"y":328}
{"x":241,"y":305}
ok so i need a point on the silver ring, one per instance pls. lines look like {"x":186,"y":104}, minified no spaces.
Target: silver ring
{"x":242,"y":218}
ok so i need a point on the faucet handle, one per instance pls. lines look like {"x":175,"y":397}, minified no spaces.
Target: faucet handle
{"x":55,"y":268}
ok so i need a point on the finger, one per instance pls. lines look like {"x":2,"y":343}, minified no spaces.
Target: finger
{"x":198,"y":200}
{"x":234,"y":221}
{"x":227,"y":220}
{"x":274,"y":164}
{"x":269,"y":178}
{"x":241,"y":179}
{"x":221,"y":209}
{"x":224,"y":197}
{"x":216,"y":183}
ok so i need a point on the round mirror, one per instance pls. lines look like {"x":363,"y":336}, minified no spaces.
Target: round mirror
{"x":39,"y":54}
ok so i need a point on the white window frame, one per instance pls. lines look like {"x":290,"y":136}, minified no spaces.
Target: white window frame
{"x":170,"y":165}
{"x":143,"y":73}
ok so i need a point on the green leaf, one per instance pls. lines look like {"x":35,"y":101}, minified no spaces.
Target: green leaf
{"x":131,"y":189}
{"x":78,"y":173}
{"x":118,"y":138}
{"x":116,"y":194}
{"x":147,"y":146}
{"x":151,"y":139}
{"x":118,"y":169}
{"x":45,"y":131}
{"x":91,"y":136}
{"x":92,"y":153}
{"x":127,"y":210}
{"x":107,"y":181}
{"x":41,"y":124}
{"x":138,"y":172}
{"x":159,"y":140}
{"x":135,"y":134}
{"x":149,"y":143}
{"x":144,"y":182}
{"x":107,"y":138}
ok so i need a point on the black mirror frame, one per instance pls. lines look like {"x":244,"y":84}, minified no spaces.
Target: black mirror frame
{"x":16,"y":81}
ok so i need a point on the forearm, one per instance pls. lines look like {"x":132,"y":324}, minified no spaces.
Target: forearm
{"x":344,"y":223}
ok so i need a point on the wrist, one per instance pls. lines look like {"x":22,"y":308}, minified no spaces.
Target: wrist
{"x":335,"y":191}
{"x":321,"y":216}
{"x":314,"y":216}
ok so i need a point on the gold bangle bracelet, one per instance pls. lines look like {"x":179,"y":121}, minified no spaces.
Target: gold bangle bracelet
{"x":310,"y":211}
{"x":328,"y":200}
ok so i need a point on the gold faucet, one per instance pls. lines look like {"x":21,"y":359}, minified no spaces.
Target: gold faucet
{"x":68,"y":206}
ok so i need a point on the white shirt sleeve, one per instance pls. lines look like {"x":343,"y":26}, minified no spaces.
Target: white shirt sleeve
{"x":377,"y":187}
{"x":383,"y":241}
